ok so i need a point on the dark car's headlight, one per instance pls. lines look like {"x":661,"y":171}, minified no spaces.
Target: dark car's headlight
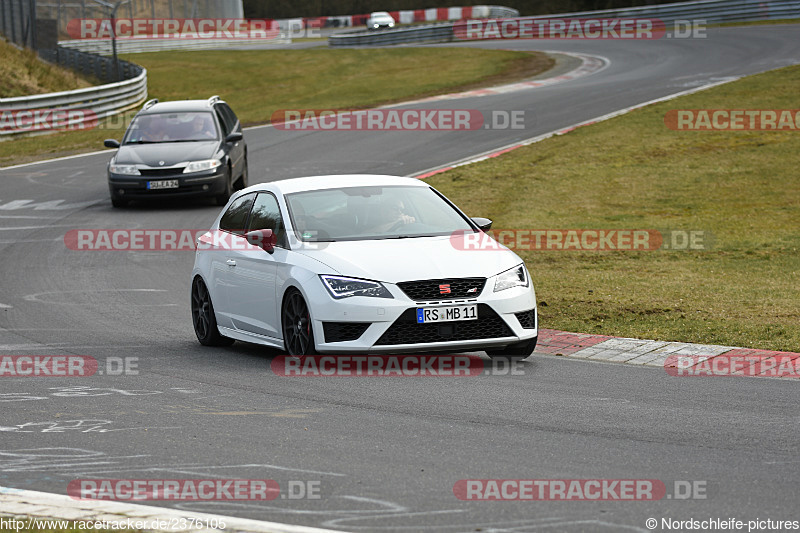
{"x":124,"y":170}
{"x":516,"y":277}
{"x":200,"y":166}
{"x":341,"y":287}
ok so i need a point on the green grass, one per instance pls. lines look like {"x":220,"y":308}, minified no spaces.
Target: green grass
{"x":22,"y":73}
{"x":632,"y":172}
{"x":259,"y":82}
{"x":755,"y":23}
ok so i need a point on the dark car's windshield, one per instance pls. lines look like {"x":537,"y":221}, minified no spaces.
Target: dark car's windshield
{"x":172,"y":127}
{"x":358,"y":213}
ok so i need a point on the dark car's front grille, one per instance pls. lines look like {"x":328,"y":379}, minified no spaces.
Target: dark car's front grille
{"x":406,"y":330}
{"x":344,"y":331}
{"x":527,"y":319}
{"x":160,"y":172}
{"x":442,"y":289}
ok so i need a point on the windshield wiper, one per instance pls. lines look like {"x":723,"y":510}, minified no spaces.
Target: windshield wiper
{"x":402,"y":237}
{"x":141,"y":141}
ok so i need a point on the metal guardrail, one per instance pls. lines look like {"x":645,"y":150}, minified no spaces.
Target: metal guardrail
{"x":134,"y":46}
{"x":442,"y":32}
{"x":89,"y":104}
{"x":417,"y":34}
{"x":710,"y":11}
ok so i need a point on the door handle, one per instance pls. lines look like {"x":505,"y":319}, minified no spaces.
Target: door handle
{"x":231,"y":262}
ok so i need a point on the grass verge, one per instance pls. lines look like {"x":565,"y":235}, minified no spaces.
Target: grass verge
{"x":258,"y":82}
{"x":632,"y":172}
{"x":22,"y":73}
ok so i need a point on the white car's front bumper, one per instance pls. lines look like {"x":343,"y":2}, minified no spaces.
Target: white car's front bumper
{"x":392,"y":324}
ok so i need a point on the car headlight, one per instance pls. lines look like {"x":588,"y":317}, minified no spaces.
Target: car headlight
{"x":516,"y":277}
{"x":199,"y":166}
{"x":125,"y":170}
{"x":341,"y":287}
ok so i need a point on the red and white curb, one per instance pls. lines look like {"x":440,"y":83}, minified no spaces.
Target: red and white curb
{"x":28,"y":504}
{"x":657,"y":353}
{"x":423,"y":174}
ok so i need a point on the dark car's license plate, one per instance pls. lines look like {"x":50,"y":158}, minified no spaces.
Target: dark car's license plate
{"x":163,"y":184}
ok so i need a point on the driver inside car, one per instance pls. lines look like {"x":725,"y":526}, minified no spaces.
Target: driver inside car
{"x":393,"y":216}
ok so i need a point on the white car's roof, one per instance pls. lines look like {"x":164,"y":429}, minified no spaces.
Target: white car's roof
{"x":335,"y":181}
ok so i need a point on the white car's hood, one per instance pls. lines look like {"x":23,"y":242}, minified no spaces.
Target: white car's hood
{"x":395,"y":260}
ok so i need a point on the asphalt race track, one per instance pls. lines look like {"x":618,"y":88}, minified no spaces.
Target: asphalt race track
{"x":385,"y":453}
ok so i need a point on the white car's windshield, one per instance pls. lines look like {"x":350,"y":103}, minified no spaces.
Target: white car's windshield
{"x":359,"y":213}
{"x":171,"y":127}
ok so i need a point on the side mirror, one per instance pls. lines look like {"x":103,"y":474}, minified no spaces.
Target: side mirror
{"x":263,"y":238}
{"x":234,"y":137}
{"x":111,"y":143}
{"x":484,"y":224}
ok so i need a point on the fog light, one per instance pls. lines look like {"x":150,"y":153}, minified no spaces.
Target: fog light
{"x":121,"y":191}
{"x":205,"y":187}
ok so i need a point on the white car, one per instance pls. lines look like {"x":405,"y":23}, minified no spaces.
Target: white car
{"x":380,"y":19}
{"x":358,"y":264}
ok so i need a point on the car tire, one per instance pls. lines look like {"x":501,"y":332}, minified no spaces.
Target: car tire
{"x":203,"y":318}
{"x":223,"y":198}
{"x":298,"y":331}
{"x":519,"y":351}
{"x":119,"y":202}
{"x":243,"y":180}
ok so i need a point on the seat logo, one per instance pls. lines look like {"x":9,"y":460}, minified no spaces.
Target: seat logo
{"x":444,"y":289}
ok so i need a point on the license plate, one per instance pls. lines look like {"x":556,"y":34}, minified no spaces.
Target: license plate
{"x":426,"y":315}
{"x":162,"y":184}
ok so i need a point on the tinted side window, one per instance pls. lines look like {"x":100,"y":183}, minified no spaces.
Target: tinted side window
{"x":227,"y":117}
{"x":230,"y":117}
{"x":267,"y":215}
{"x":224,"y":123}
{"x":235,"y":217}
